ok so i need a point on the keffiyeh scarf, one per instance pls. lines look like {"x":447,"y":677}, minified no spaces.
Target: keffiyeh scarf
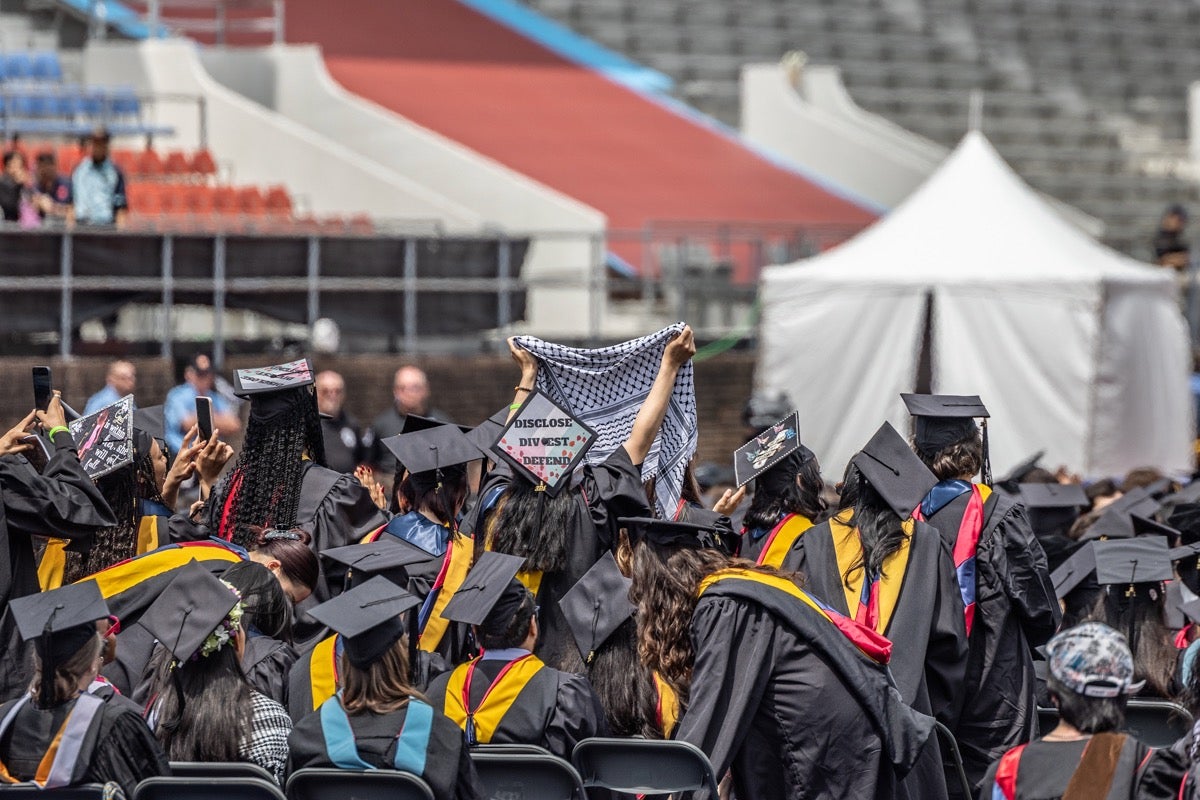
{"x":604,"y":388}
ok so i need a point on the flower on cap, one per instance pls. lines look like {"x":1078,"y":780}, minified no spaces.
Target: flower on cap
{"x":1093,"y":660}
{"x":224,"y":632}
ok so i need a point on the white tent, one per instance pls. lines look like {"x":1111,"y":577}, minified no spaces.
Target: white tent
{"x":1075,"y":349}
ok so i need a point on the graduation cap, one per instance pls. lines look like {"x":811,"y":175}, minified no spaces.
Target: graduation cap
{"x":1160,"y":487}
{"x":491,"y":594}
{"x":104,"y":439}
{"x":544,"y":442}
{"x":275,"y":378}
{"x":1136,"y":501}
{"x":1186,"y":557}
{"x":488,"y":431}
{"x":432,"y":449}
{"x":368,"y":618}
{"x":383,"y":555}
{"x":891,"y":467}
{"x":193,"y":605}
{"x":59,"y":622}
{"x":944,"y":419}
{"x":152,"y":421}
{"x":1145,"y":559}
{"x":679,"y":534}
{"x":767,"y":449}
{"x":597,"y":605}
{"x":1185,"y":496}
{"x":1185,"y":518}
{"x":1052,"y":506}
{"x":415,"y":422}
{"x":1144,"y":526}
{"x":1111,"y":524}
{"x":1191,"y":610}
{"x":1021,"y":470}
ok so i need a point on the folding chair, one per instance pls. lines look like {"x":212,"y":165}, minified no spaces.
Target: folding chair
{"x":1157,"y":723}
{"x":207,"y":789}
{"x":524,"y":775}
{"x":1047,"y":720}
{"x":87,"y":791}
{"x":643,"y":766}
{"x":951,"y":753}
{"x":375,"y":784}
{"x":219,"y":769}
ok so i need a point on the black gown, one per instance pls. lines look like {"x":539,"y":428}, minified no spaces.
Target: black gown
{"x":267,"y":663}
{"x":1015,"y":611}
{"x":118,"y":746}
{"x":449,"y":770}
{"x":555,"y":710}
{"x":783,"y":699}
{"x":603,"y":494}
{"x":1045,"y":769}
{"x":61,"y":502}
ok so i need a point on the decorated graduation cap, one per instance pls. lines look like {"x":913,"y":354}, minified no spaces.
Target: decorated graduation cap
{"x":104,"y":439}
{"x":490,"y":595}
{"x":1119,"y":562}
{"x":544,"y":442}
{"x":380,"y":557}
{"x":597,"y":605}
{"x":196,"y":614}
{"x":774,"y":446}
{"x":59,"y":623}
{"x":666,"y":533}
{"x":891,"y":467}
{"x":273,"y":390}
{"x":944,"y":419}
{"x":368,"y":617}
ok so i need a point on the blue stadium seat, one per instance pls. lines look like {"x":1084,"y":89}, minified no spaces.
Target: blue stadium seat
{"x":18,"y":66}
{"x":46,"y":66}
{"x":124,"y":102}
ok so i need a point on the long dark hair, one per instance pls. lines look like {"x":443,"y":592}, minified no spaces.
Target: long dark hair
{"x":778,"y":493}
{"x":879,"y":528}
{"x":533,"y":525}
{"x":215,"y":714}
{"x":1137,"y":612}
{"x":624,"y":685}
{"x":263,"y":488}
{"x":265,"y":607}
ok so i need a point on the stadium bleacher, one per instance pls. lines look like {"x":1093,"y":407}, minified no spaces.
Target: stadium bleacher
{"x":1082,"y":97}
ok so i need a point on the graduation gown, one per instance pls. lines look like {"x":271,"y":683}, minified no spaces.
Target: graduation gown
{"x":266,"y":663}
{"x":517,"y":699}
{"x":769,"y":546}
{"x":783,"y":698}
{"x":62,"y":501}
{"x":449,"y":770}
{"x":118,"y":746}
{"x":1016,"y":610}
{"x":602,"y":493}
{"x":1043,"y":770}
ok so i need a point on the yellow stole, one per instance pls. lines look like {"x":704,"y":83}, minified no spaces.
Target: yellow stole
{"x":781,"y":540}
{"x":496,"y":701}
{"x":53,"y":565}
{"x":322,"y":671}
{"x":668,"y":705}
{"x":457,"y":565}
{"x":128,"y":574}
{"x":848,"y":549}
{"x":148,"y":534}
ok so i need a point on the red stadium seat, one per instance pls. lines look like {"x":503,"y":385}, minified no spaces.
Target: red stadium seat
{"x":126,"y":161}
{"x":149,"y":163}
{"x":279,"y":202}
{"x":362,"y":224}
{"x":251,"y":201}
{"x":68,"y":157}
{"x":225,"y":200}
{"x":173,"y":201}
{"x":203,"y":163}
{"x":177,"y":163}
{"x":145,"y":199}
{"x":199,"y":199}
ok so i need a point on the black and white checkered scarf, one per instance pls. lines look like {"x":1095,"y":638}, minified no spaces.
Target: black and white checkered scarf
{"x":604,"y":388}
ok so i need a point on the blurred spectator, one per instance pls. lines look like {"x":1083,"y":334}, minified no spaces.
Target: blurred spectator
{"x":410,"y":395}
{"x":120,"y":380}
{"x":179,"y":409}
{"x":52,"y":191}
{"x":344,"y":447}
{"x":15,"y":194}
{"x":1170,"y":243}
{"x":98,"y":186}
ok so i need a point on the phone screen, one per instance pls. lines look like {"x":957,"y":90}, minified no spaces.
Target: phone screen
{"x":204,"y":417}
{"x":43,"y":388}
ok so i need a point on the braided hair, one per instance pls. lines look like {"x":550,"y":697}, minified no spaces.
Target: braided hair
{"x":263,"y":488}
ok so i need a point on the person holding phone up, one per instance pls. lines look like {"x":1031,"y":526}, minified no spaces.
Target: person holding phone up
{"x":61,"y":501}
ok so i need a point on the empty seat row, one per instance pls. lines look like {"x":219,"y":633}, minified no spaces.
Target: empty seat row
{"x":30,"y":66}
{"x":202,"y":199}
{"x":69,"y":101}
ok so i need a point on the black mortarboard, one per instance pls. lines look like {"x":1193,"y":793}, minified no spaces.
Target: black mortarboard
{"x":368,"y":618}
{"x":489,"y":592}
{"x":1143,"y":526}
{"x":945,"y":419}
{"x":1186,"y":495}
{"x":1018,"y":473}
{"x":415,"y":422}
{"x":59,"y":622}
{"x":486,"y":432}
{"x":275,"y":378}
{"x":152,"y":421}
{"x":1185,"y":518}
{"x":679,"y":534}
{"x":1111,"y":524}
{"x":190,"y":608}
{"x":383,"y":555}
{"x":894,"y":470}
{"x":767,"y":449}
{"x":544,"y":442}
{"x":1118,"y":562}
{"x":597,"y":605}
{"x":1054,"y":495}
{"x":1187,"y":560}
{"x":1160,"y":487}
{"x":1136,"y":501}
{"x":104,"y":439}
{"x":432,"y":449}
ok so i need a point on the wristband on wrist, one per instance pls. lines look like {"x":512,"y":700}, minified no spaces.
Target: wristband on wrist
{"x":514,"y":406}
{"x":519,"y":388}
{"x":58,"y":429}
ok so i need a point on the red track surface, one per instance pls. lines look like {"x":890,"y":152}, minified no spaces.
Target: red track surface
{"x":473,"y":80}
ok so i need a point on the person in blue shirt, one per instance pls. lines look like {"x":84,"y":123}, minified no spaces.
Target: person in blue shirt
{"x":179,"y":409}
{"x":119,"y":381}
{"x":98,"y":187}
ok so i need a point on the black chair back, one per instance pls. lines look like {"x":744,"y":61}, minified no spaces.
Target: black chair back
{"x":207,"y":789}
{"x":219,"y":769}
{"x":86,"y":791}
{"x":525,"y":775}
{"x":1047,"y":720}
{"x":1157,"y":723}
{"x":643,"y":766}
{"x":354,"y":784}
{"x":953,"y":757}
